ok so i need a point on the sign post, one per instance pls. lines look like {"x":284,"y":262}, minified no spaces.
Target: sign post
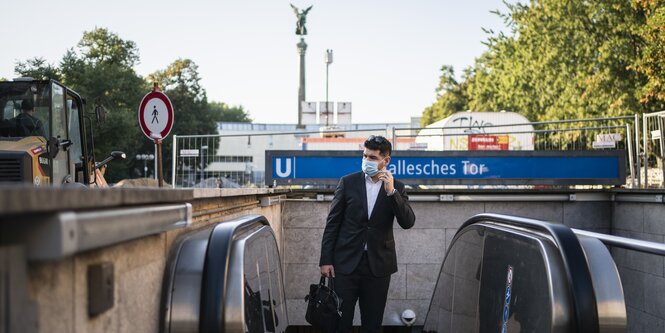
{"x":156,"y":121}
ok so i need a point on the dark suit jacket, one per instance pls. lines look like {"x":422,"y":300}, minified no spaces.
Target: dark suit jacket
{"x":348,"y":227}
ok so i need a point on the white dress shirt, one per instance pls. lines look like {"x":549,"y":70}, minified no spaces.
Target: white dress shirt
{"x":372,"y":193}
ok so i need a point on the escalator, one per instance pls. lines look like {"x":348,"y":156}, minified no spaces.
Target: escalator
{"x":225,"y":278}
{"x":500,"y":274}
{"x":510,"y":274}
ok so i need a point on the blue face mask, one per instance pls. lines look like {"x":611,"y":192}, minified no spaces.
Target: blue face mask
{"x":371,"y":168}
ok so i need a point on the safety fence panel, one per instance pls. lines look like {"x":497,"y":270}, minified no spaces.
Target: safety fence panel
{"x":236,"y":156}
{"x":652,"y":149}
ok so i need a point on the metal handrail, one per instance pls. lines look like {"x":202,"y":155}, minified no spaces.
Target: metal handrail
{"x":625,"y":243}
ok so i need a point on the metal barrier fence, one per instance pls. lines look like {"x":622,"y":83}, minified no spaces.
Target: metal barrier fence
{"x":237,"y":158}
{"x":576,"y":134}
{"x":653,"y":149}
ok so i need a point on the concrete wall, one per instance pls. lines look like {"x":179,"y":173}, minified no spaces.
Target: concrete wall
{"x":642,"y":275}
{"x":56,"y":292}
{"x":59,"y":288}
{"x":420,"y":250}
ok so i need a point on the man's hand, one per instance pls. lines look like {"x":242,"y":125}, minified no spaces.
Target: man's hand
{"x":387,"y":178}
{"x":328,"y":271}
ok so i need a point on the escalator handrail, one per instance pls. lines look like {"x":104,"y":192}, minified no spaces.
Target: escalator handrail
{"x":213,"y":284}
{"x":624,"y":242}
{"x":577,"y":271}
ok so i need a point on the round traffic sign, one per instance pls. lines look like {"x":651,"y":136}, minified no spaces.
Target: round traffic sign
{"x":156,"y":115}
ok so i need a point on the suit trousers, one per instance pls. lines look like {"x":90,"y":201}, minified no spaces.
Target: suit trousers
{"x":370,"y":291}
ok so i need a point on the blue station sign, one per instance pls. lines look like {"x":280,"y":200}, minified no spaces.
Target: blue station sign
{"x":607,"y":167}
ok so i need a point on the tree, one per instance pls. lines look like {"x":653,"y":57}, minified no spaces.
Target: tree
{"x":225,"y":112}
{"x":182,"y":83}
{"x":571,"y":59}
{"x":652,"y":60}
{"x":451,"y":98}
{"x":102,"y":47}
{"x":100,"y":68}
{"x":37,"y":68}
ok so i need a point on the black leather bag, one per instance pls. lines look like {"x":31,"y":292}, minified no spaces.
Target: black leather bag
{"x":323,"y":307}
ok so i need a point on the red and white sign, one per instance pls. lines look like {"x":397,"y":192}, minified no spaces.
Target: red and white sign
{"x":488,"y":142}
{"x":156,"y":115}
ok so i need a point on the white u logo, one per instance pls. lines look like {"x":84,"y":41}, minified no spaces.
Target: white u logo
{"x":278,"y":168}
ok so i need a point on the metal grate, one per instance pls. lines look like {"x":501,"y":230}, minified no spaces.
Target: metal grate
{"x":10,"y":170}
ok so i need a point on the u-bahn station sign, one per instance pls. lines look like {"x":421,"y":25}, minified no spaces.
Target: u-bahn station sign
{"x":607,"y":167}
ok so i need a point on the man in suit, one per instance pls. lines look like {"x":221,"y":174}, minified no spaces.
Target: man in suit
{"x":358,"y":246}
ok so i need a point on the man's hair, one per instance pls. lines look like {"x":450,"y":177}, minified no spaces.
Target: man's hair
{"x":377,"y":142}
{"x":26,"y":104}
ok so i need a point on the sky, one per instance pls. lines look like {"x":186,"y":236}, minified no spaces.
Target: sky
{"x":387,"y":55}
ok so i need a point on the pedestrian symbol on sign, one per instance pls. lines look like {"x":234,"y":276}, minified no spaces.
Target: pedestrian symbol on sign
{"x":156,"y":115}
{"x":156,"y":104}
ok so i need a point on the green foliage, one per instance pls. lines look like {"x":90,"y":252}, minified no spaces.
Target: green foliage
{"x":182,"y":83}
{"x":37,"y":68}
{"x":101,"y":69}
{"x":100,"y":46}
{"x":227,"y":113}
{"x":568,"y":59}
{"x":451,"y":98}
{"x":652,"y":61}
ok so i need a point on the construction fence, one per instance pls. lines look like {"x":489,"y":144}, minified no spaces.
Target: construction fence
{"x":236,"y":158}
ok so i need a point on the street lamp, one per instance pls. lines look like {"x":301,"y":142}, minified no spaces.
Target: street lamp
{"x":329,"y":60}
{"x":145,"y":158}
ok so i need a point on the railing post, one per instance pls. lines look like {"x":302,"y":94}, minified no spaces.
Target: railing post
{"x":173,"y":160}
{"x":637,"y":150}
{"x":662,"y":147}
{"x":630,"y":156}
{"x":645,"y":119}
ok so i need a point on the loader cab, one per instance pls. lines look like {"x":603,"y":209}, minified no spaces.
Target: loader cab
{"x":42,"y":134}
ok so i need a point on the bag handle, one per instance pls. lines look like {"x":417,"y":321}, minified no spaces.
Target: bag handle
{"x":331,"y":286}
{"x":331,"y":282}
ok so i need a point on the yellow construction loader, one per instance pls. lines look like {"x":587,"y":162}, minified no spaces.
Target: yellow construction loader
{"x":45,"y":136}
